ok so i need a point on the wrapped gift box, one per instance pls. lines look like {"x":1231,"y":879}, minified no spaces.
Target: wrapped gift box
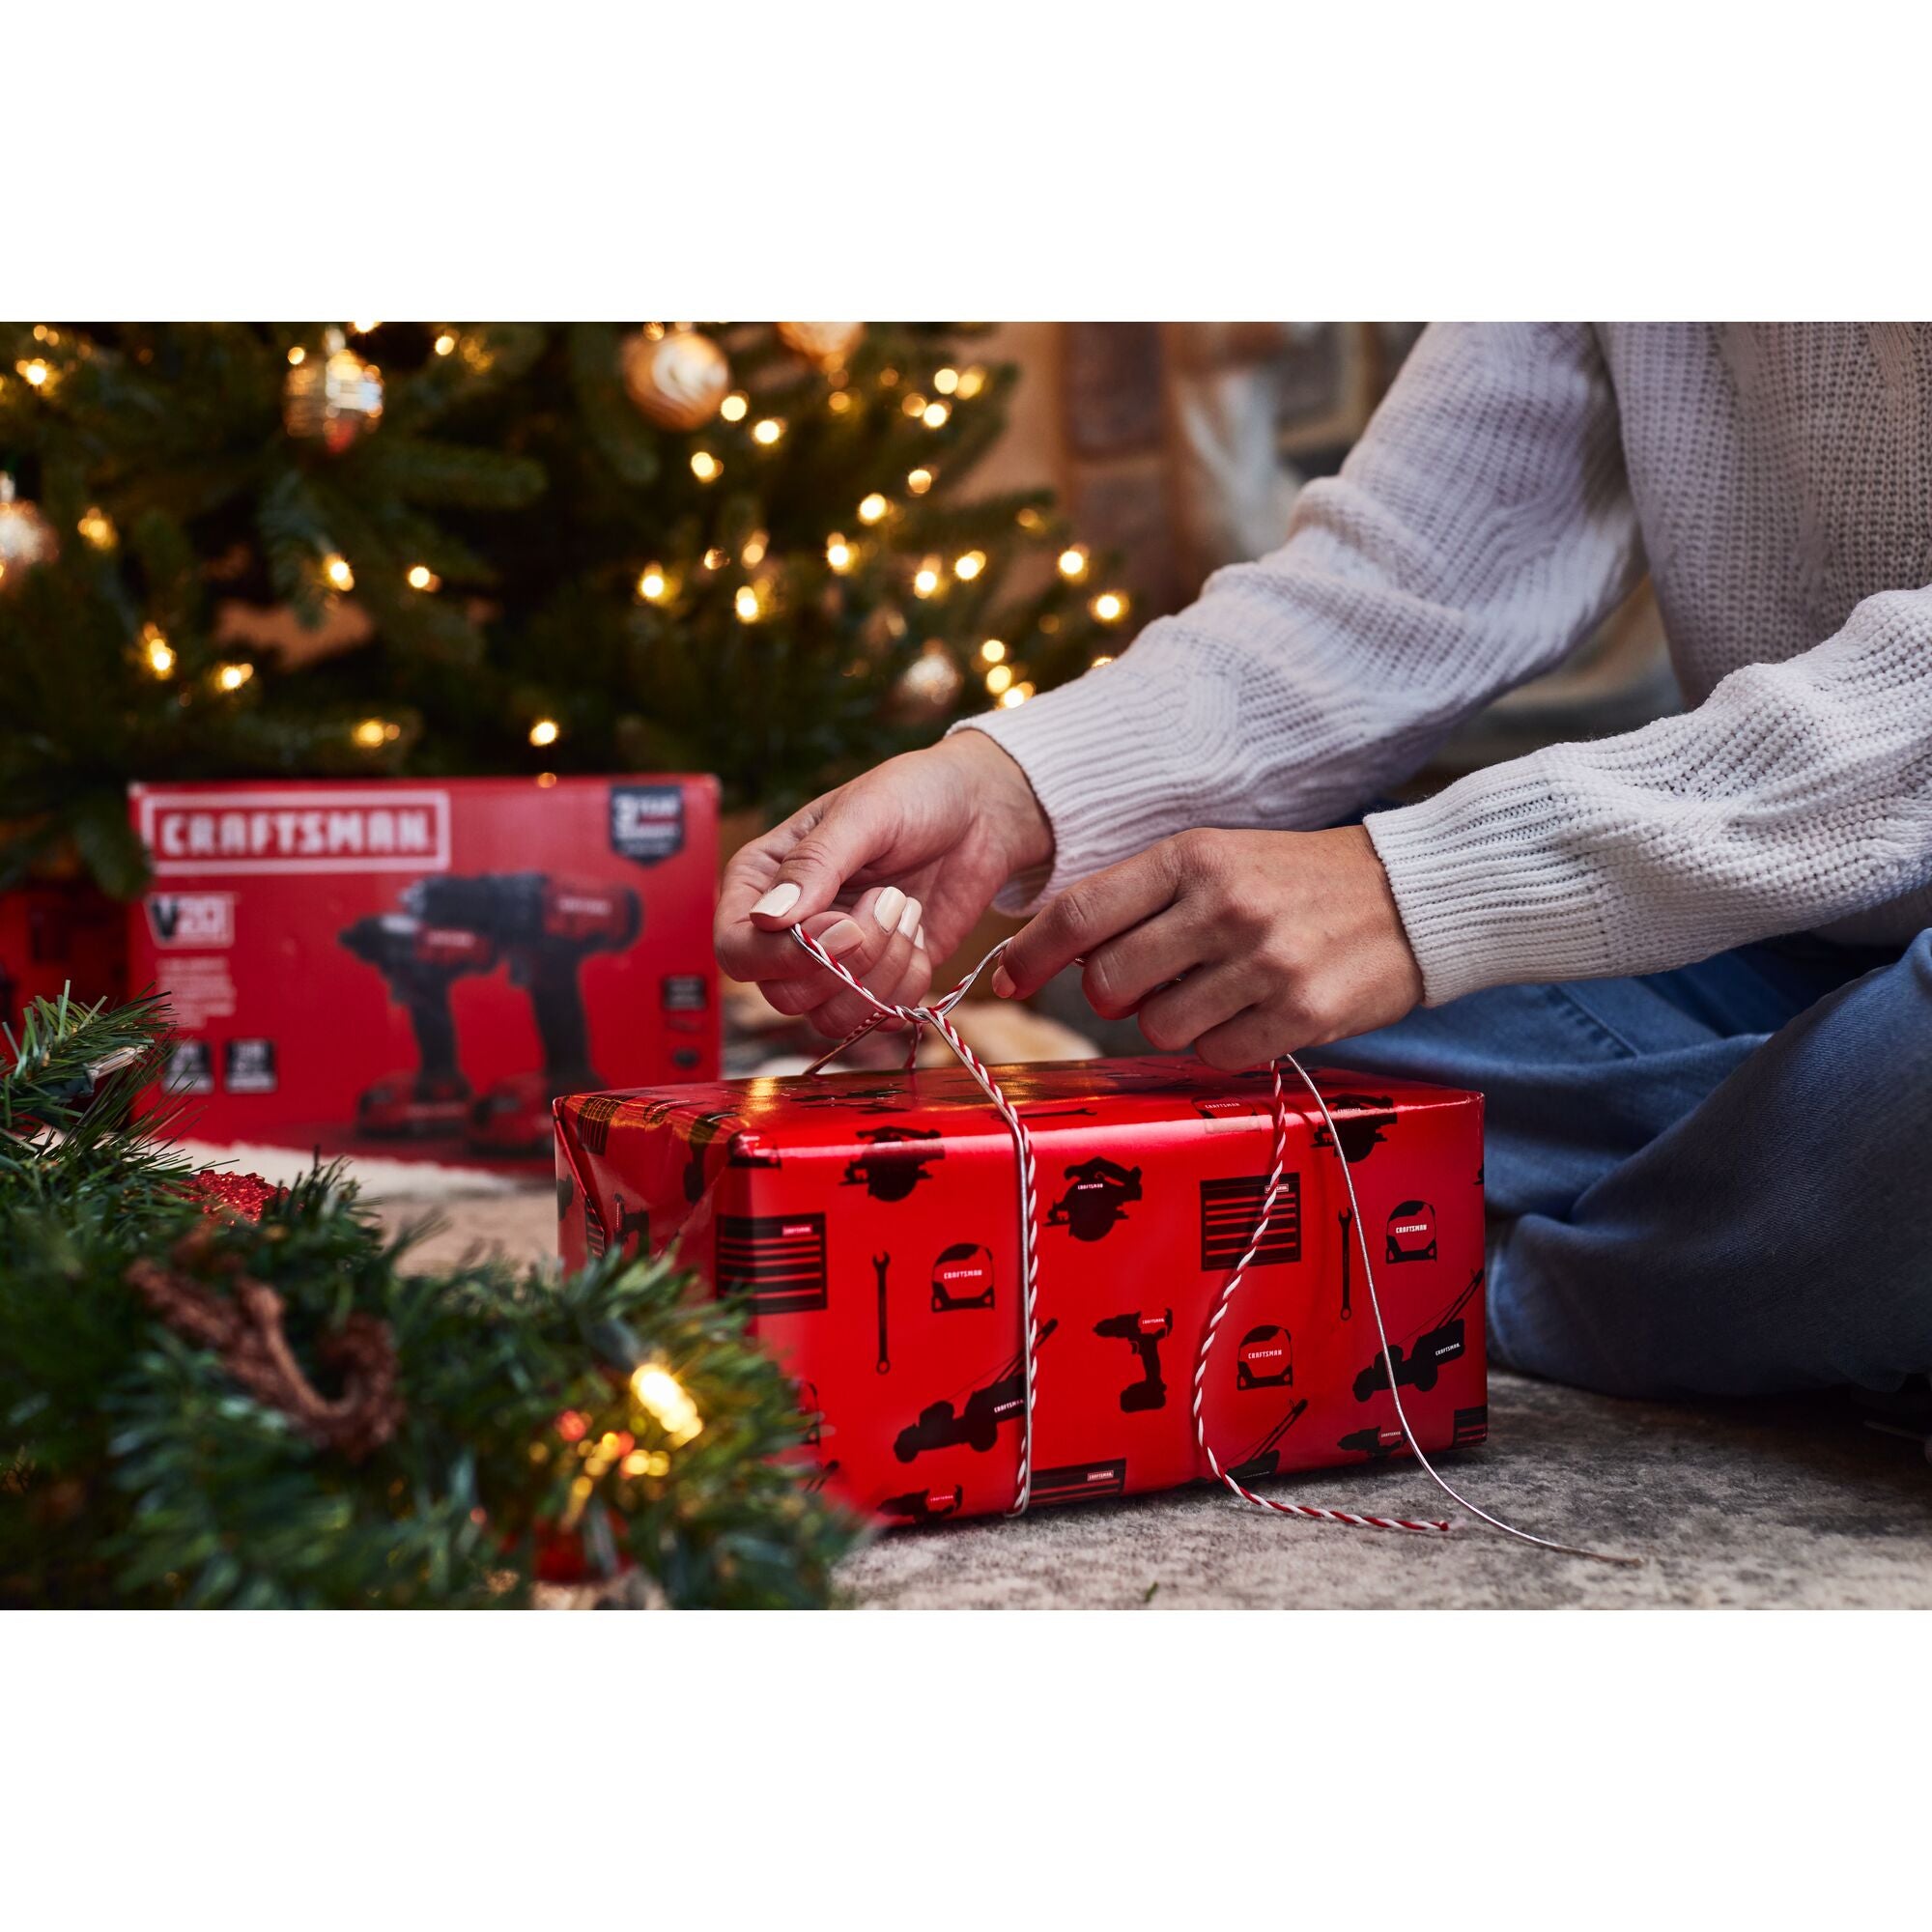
{"x":869,"y":1223}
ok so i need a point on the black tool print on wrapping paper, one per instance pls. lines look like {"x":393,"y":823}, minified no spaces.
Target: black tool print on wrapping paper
{"x":1418,"y":1358}
{"x":1472,"y":1426}
{"x":1097,"y":1199}
{"x":1264,"y":1458}
{"x":1411,"y":1234}
{"x":1376,"y":1444}
{"x":566,"y":1193}
{"x":924,"y":1505}
{"x":1144,"y":1334}
{"x":777,"y":1262}
{"x":896,"y":1163}
{"x":962,"y":1277}
{"x":880,"y":1264}
{"x":977,"y":1423}
{"x":1230,"y":1211}
{"x":1361,"y":1129}
{"x":701,"y":1132}
{"x":1348,"y":1221}
{"x":633,"y":1228}
{"x":1079,"y":1483}
{"x":1265,"y":1359}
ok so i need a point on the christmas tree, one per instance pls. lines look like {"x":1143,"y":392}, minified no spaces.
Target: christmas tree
{"x":238,"y":549}
{"x":217,"y":1394}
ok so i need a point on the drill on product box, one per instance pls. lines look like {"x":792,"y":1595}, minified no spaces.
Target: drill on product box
{"x":545,"y":928}
{"x":421,"y":963}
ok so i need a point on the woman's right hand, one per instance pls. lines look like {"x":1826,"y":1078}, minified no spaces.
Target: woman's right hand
{"x":888,"y":874}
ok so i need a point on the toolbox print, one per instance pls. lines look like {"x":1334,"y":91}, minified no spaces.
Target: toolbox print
{"x":869,"y":1224}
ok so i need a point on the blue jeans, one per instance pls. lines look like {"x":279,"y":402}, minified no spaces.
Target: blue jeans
{"x":1717,"y":1181}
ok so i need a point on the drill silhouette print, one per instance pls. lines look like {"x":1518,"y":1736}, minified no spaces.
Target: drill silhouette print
{"x":924,"y":1505}
{"x":1144,"y":1334}
{"x":1097,"y":1200}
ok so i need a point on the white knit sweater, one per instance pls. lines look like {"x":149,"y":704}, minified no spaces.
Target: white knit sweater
{"x":1777,"y":481}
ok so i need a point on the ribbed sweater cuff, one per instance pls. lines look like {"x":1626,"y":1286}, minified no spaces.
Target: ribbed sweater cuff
{"x":1486,"y":897}
{"x":1097,"y":752}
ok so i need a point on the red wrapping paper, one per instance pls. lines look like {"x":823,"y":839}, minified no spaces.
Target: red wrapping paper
{"x":870,"y":1221}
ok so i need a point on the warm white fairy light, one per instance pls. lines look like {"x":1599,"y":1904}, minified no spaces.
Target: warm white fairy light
{"x":1102,"y":659}
{"x":373,"y":733}
{"x":159,"y":652}
{"x":422,"y":578}
{"x":926,"y":580}
{"x":445,"y":343}
{"x":1017,"y":693}
{"x":705,"y":467}
{"x":666,"y":1399}
{"x":298,"y":355}
{"x":98,"y":528}
{"x":233,"y":676}
{"x":755,"y":546}
{"x":546,"y":731}
{"x":919,"y":481}
{"x":839,"y":553}
{"x":1110,"y":606}
{"x":1073,"y":562}
{"x":992,"y":650}
{"x":653,"y":583}
{"x":936,"y":415}
{"x":998,"y":678}
{"x":966,"y":568}
{"x":913,"y":403}
{"x":971,"y":382}
{"x":945,"y":380}
{"x":872,"y":508}
{"x":747,"y":604}
{"x":734,"y":406}
{"x":767,"y":431}
{"x":35,"y":371}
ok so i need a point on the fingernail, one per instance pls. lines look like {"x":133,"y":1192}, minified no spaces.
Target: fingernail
{"x":909,"y":918}
{"x":886,"y":907}
{"x":1003,"y":982}
{"x":919,"y":939}
{"x":779,"y":899}
{"x":841,"y":938}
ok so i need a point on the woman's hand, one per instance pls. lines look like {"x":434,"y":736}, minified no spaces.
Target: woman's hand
{"x":1241,"y":945}
{"x":888,"y":874}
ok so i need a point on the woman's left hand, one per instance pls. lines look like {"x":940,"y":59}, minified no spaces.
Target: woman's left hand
{"x":1241,"y":945}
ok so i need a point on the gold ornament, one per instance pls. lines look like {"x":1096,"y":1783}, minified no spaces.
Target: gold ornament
{"x":677,"y":379}
{"x":26,"y":537}
{"x":930,"y":683}
{"x":332,"y":398}
{"x":826,"y":343}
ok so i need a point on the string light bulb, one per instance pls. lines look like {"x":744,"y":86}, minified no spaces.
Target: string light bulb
{"x":666,"y":1399}
{"x":839,"y":553}
{"x":1073,"y":562}
{"x":653,"y":584}
{"x":98,"y":528}
{"x":755,"y":546}
{"x":913,"y":404}
{"x":936,"y":415}
{"x":298,"y":355}
{"x":872,"y":508}
{"x":36,"y":372}
{"x":971,"y":382}
{"x":1017,"y":693}
{"x":714,"y":559}
{"x":1102,"y":659}
{"x":335,"y":567}
{"x":999,"y":678}
{"x":373,"y":733}
{"x":157,"y":651}
{"x":546,"y":731}
{"x":992,"y":650}
{"x":747,"y":604}
{"x":734,"y":406}
{"x":926,"y":580}
{"x":919,"y":481}
{"x":767,"y":431}
{"x":233,"y":676}
{"x":446,"y":343}
{"x":966,"y":568}
{"x":365,"y":328}
{"x":1110,"y":606}
{"x":422,"y":578}
{"x":705,"y":467}
{"x":945,"y":380}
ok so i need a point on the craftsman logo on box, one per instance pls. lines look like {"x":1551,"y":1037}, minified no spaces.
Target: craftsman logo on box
{"x":647,"y":822}
{"x":191,"y":919}
{"x":229,"y":832}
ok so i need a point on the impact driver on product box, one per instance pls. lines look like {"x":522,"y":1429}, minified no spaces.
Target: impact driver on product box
{"x":545,"y":928}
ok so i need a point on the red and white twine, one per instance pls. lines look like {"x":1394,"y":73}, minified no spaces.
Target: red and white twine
{"x":937,"y":1016}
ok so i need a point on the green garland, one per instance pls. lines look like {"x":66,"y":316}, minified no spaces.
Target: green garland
{"x":137,"y":1469}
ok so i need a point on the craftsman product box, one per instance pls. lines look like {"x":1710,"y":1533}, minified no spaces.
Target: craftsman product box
{"x":419,"y":967}
{"x":870,"y":1224}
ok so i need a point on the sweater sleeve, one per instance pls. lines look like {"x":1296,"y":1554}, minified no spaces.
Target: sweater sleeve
{"x":1796,"y":794}
{"x":1480,"y":528}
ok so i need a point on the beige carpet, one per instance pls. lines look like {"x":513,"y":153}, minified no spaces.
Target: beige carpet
{"x":1748,"y":1505}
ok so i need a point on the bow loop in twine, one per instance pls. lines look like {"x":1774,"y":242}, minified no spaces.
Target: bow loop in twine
{"x":937,"y":1016}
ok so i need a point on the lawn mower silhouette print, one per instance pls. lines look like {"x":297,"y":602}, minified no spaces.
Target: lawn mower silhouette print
{"x":1097,"y":1200}
{"x":896,"y":1163}
{"x":1376,"y":1444}
{"x":962,"y":1277}
{"x":1361,"y":1130}
{"x":1264,"y":1458}
{"x":1410,"y":1234}
{"x":1265,"y":1359}
{"x":1416,"y":1362}
{"x":976,"y":1424}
